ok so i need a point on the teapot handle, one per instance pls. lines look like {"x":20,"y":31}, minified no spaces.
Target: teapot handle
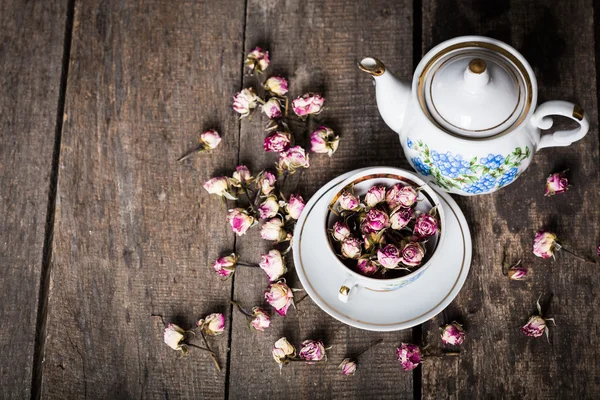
{"x":541,"y":118}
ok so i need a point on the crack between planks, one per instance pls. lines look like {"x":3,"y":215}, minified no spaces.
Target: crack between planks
{"x":229,"y":340}
{"x":42,"y":310}
{"x":596,"y":19}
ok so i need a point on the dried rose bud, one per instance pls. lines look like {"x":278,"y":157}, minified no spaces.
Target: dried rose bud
{"x":242,"y":175}
{"x":173,"y":335}
{"x":598,"y":250}
{"x":375,"y":195}
{"x":366,"y":266}
{"x":292,"y":159}
{"x":348,"y":366}
{"x":279,"y":296}
{"x":400,"y":195}
{"x":260,"y":319}
{"x":307,"y":104}
{"x":453,"y":334}
{"x":351,"y":247}
{"x":273,"y":265}
{"x":535,"y":327}
{"x":323,"y":140}
{"x":375,"y":221}
{"x":273,"y":230}
{"x":400,"y":218}
{"x":276,"y":85}
{"x":312,"y":350}
{"x":340,"y":231}
{"x":277,"y":142}
{"x":517,"y":273}
{"x":544,"y":244}
{"x":389,"y":256}
{"x":556,"y":183}
{"x":220,"y":186}
{"x":212,"y":324}
{"x":210,"y":139}
{"x":257,"y":61}
{"x":409,"y":356}
{"x":283,"y":350}
{"x":265,"y":182}
{"x":268,"y":208}
{"x":225,"y":266}
{"x":425,"y":226}
{"x":412,"y":254}
{"x":239,"y":220}
{"x":245,"y":101}
{"x":348,"y":201}
{"x":272,"y":108}
{"x":294,"y":206}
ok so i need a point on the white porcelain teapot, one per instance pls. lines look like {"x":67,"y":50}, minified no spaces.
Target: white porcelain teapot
{"x":469,"y":123}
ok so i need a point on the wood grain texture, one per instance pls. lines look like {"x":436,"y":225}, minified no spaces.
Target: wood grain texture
{"x":31,"y":50}
{"x":316,"y":45}
{"x":497,"y":360}
{"x":135,"y":231}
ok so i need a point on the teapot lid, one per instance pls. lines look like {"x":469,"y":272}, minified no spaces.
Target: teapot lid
{"x":475,"y":92}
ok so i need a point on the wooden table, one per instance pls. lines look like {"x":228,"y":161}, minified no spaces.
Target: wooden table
{"x":101,"y":229}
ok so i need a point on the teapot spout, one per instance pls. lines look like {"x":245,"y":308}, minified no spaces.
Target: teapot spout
{"x":392,"y":93}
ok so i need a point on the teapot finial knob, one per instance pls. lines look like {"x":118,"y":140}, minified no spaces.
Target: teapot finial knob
{"x":477,"y":66}
{"x":476,"y":75}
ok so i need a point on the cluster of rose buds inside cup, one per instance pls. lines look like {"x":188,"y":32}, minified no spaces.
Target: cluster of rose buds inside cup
{"x":382,"y":231}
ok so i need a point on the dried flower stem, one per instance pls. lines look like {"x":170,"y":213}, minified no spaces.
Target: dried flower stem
{"x":190,"y":153}
{"x":369,"y":348}
{"x":240,"y":309}
{"x":249,"y":198}
{"x":200,"y":348}
{"x":245,"y":264}
{"x":577,"y":255}
{"x":212,"y":354}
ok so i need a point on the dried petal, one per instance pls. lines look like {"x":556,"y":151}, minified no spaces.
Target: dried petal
{"x":556,"y":183}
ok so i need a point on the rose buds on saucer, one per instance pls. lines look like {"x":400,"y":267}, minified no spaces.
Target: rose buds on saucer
{"x":273,"y":265}
{"x":276,"y":85}
{"x":279,"y":296}
{"x":453,"y":334}
{"x":409,"y":356}
{"x":556,"y":183}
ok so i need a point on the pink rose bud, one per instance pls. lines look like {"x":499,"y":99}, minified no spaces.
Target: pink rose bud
{"x":348,"y":201}
{"x":173,"y":336}
{"x":389,"y":256}
{"x":400,"y":218}
{"x":225,"y":266}
{"x":260,"y":319}
{"x":245,"y":101}
{"x":348,"y":366}
{"x":277,"y":85}
{"x":544,"y":244}
{"x":401,"y":196}
{"x":312,"y":350}
{"x":307,"y":104}
{"x":242,"y":175}
{"x":277,"y":142}
{"x":272,"y":108}
{"x":517,"y":273}
{"x":219,"y":186}
{"x":273,"y":265}
{"x":425,"y":226}
{"x":268,"y":208}
{"x":409,"y":356}
{"x":265,"y":182}
{"x":273,"y":230}
{"x":375,"y":195}
{"x":412,"y":254}
{"x":292,"y":159}
{"x":294,"y":206}
{"x":351,"y":247}
{"x":375,"y":221}
{"x":598,"y":250}
{"x":453,"y":334}
{"x":283,"y":350}
{"x":535,"y":327}
{"x":340,"y":231}
{"x":323,"y":140}
{"x":210,"y":139}
{"x":279,"y":296}
{"x":556,"y":183}
{"x":239,"y":220}
{"x":366,"y":266}
{"x":212,"y":324}
{"x":257,"y":61}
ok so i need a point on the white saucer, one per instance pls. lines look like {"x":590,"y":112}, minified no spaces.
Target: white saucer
{"x":368,"y":309}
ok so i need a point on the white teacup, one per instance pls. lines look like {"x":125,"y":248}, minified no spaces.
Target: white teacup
{"x":386,"y":176}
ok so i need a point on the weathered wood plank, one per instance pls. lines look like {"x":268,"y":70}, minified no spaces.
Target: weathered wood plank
{"x":316,"y":45}
{"x":135,"y":231}
{"x":31,"y":51}
{"x":497,"y":360}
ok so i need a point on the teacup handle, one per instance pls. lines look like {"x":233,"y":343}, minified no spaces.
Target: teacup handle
{"x":347,"y":290}
{"x":541,"y":118}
